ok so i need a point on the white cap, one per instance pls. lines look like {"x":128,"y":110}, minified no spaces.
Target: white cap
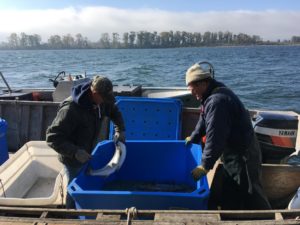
{"x":196,"y":73}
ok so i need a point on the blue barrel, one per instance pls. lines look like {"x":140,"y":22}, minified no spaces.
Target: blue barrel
{"x":3,"y":142}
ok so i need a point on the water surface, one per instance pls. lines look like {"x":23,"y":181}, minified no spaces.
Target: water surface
{"x":265,"y":77}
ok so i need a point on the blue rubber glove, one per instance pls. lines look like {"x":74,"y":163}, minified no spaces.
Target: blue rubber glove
{"x":199,"y":172}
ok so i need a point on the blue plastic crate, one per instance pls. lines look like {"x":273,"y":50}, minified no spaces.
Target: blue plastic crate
{"x":3,"y":141}
{"x":159,"y":162}
{"x":150,"y":118}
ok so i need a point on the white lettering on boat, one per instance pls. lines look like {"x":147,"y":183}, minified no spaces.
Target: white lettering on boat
{"x":286,"y":133}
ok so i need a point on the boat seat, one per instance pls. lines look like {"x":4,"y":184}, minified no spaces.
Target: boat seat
{"x":64,"y":88}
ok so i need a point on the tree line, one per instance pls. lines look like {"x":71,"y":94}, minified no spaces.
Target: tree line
{"x":141,"y":39}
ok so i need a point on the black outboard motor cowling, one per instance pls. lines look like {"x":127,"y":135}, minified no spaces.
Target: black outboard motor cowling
{"x":276,"y":135}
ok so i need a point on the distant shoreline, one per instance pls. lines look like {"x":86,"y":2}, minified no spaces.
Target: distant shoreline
{"x":141,"y":40}
{"x":208,"y":46}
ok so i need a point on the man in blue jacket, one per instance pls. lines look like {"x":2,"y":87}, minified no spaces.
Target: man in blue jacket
{"x":76,"y":129}
{"x":229,"y":133}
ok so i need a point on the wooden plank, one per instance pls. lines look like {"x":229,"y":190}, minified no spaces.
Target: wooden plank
{"x":15,"y":223}
{"x":187,"y":218}
{"x":99,"y":216}
{"x":17,"y":114}
{"x":25,"y":115}
{"x":44,"y":214}
{"x":108,"y":217}
{"x":31,"y":221}
{"x":48,"y":116}
{"x":278,"y":216}
{"x":18,"y":119}
{"x":36,"y":118}
{"x":22,"y":102}
{"x":9,"y":114}
{"x":164,"y":217}
{"x":27,"y":221}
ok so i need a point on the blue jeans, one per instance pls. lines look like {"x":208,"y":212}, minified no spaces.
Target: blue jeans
{"x":71,"y":173}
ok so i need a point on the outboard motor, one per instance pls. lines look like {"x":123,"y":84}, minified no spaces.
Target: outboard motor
{"x":276,"y":134}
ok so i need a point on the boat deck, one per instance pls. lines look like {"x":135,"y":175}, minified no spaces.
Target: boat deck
{"x":28,"y":120}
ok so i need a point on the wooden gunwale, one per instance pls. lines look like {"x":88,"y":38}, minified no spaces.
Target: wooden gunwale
{"x":18,"y":215}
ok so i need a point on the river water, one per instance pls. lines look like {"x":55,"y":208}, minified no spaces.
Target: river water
{"x":264,"y":77}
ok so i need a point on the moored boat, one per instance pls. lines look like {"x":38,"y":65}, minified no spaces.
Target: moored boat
{"x":29,"y":118}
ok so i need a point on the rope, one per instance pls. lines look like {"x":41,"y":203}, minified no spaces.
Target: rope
{"x":2,"y":186}
{"x":61,"y":189}
{"x":131,"y":214}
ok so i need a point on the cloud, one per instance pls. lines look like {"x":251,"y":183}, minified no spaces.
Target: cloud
{"x":93,"y":21}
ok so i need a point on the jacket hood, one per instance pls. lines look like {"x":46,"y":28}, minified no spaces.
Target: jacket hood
{"x":81,"y":95}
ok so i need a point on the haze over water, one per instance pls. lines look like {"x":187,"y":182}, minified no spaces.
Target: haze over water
{"x":264,"y":77}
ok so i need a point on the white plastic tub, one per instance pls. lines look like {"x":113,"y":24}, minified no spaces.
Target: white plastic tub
{"x":33,"y":176}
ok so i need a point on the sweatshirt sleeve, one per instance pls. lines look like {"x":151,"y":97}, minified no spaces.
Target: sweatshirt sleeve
{"x":59,"y":133}
{"x":199,"y":131}
{"x":218,"y":127}
{"x":113,"y":112}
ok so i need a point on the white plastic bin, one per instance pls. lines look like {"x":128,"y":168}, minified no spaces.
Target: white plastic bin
{"x":33,"y":176}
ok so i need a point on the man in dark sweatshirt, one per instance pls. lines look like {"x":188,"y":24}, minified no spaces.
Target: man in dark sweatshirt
{"x":76,"y":128}
{"x":229,"y":133}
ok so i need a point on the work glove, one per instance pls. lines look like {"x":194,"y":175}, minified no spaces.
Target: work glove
{"x":82,"y":156}
{"x":199,"y":172}
{"x":188,"y":140}
{"x":119,"y":136}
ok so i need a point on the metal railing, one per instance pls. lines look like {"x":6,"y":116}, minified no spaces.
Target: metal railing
{"x":8,"y":87}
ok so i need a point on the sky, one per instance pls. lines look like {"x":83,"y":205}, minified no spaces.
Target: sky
{"x":270,"y":19}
